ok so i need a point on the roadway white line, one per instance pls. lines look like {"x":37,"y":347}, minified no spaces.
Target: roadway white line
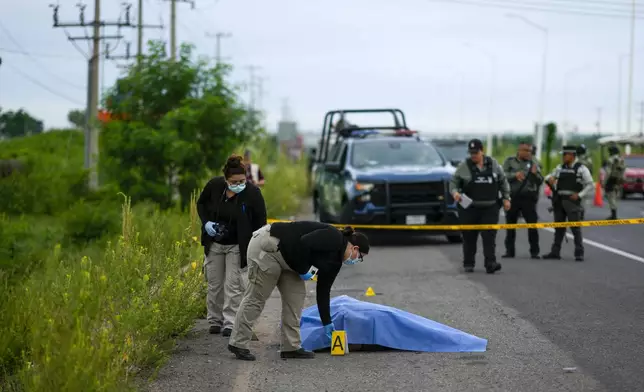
{"x":605,"y":247}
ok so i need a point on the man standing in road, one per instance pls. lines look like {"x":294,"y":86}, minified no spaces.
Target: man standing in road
{"x":586,"y":160}
{"x":614,"y":179}
{"x":524,"y":176}
{"x":572,"y":182}
{"x":479,"y":178}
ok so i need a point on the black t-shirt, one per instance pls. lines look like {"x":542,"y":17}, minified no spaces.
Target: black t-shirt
{"x":227,"y":215}
{"x":307,"y":243}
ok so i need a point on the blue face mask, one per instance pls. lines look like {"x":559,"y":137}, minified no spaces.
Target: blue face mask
{"x":351,"y":261}
{"x":237,"y":188}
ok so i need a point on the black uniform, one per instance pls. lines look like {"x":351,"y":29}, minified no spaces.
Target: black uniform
{"x":483,"y":186}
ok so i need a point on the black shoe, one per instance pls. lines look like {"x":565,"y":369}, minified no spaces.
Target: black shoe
{"x":508,"y":255}
{"x":226,"y":332}
{"x":241,"y":353}
{"x":299,"y":353}
{"x":468,"y":269}
{"x":214,"y":329}
{"x":493,"y":268}
{"x":579,"y":258}
{"x":536,"y":257}
{"x":551,"y":256}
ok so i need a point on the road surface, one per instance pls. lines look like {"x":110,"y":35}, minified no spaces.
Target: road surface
{"x":539,"y":317}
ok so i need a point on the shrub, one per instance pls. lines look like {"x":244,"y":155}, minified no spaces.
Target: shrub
{"x":54,"y":178}
{"x":88,"y":221}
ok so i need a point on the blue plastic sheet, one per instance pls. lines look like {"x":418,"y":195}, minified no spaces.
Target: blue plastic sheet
{"x":374,"y":324}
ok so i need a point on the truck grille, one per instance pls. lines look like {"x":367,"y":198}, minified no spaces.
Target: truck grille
{"x":408,"y":193}
{"x":421,"y":192}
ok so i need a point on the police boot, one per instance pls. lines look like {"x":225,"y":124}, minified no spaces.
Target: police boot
{"x":551,"y":256}
{"x":299,"y":353}
{"x":241,"y":353}
{"x":493,"y":268}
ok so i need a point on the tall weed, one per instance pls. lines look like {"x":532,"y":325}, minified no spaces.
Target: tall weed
{"x":90,"y":324}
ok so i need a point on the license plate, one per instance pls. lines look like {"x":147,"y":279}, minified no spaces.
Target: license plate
{"x":416,"y":219}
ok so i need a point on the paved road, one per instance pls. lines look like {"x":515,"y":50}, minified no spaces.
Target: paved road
{"x":538,"y":316}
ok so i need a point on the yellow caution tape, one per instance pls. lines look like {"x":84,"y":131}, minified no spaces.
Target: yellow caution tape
{"x":541,"y":225}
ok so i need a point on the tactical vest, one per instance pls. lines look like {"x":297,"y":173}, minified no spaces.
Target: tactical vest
{"x":484,"y":185}
{"x":568,"y":179}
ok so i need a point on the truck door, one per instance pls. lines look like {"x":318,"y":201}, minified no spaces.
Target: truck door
{"x":333,"y":182}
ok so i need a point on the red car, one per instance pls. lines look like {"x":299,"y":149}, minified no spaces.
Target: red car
{"x":634,"y":175}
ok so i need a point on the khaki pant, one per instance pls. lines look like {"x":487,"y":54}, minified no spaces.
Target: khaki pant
{"x":226,"y":284}
{"x":612,"y":197}
{"x":266,"y":270}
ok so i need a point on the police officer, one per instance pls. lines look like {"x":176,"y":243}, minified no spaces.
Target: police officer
{"x":571,"y":181}
{"x":586,"y":160}
{"x":614,"y":179}
{"x":480,"y":178}
{"x":524,"y":177}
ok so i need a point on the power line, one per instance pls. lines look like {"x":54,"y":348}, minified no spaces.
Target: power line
{"x":19,"y":46}
{"x":536,"y":7}
{"x":37,"y":54}
{"x":40,"y":84}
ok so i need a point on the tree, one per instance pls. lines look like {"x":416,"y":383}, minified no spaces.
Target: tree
{"x":175,"y":121}
{"x":19,"y":123}
{"x":77,"y":118}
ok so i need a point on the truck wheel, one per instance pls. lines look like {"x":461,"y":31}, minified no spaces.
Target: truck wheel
{"x":455,"y":239}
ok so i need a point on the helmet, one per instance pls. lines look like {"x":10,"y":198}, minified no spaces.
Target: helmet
{"x":581,"y":150}
{"x":612,"y":150}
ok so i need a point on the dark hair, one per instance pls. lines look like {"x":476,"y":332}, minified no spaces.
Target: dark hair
{"x":234,"y":165}
{"x":358,"y":239}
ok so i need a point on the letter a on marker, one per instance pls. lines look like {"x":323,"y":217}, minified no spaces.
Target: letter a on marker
{"x":339,"y":343}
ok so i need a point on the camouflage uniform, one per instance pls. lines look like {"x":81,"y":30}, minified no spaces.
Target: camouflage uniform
{"x":614,"y":181}
{"x":525,"y":195}
{"x":588,"y":162}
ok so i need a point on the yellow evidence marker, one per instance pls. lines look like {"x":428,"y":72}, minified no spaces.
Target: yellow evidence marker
{"x":339,"y":343}
{"x":370,"y":292}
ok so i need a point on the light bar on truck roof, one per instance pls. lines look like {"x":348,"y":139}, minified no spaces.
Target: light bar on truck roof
{"x":367,"y":132}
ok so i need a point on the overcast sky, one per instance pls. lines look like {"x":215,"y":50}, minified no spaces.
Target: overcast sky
{"x":409,"y":54}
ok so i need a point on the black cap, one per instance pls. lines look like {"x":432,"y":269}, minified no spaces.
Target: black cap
{"x":475,"y":145}
{"x":569,"y":150}
{"x":581,"y":150}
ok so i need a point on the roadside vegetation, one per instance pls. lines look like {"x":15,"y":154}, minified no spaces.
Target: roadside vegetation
{"x":97,"y":285}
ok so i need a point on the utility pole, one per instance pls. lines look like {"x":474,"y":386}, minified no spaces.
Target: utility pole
{"x":642,"y":118}
{"x":599,"y":120}
{"x":218,"y":36}
{"x":251,"y":86}
{"x":139,"y":27}
{"x":173,"y":25}
{"x":630,"y":72}
{"x":91,"y":113}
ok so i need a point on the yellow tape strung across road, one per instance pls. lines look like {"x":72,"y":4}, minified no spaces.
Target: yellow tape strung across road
{"x":542,"y":225}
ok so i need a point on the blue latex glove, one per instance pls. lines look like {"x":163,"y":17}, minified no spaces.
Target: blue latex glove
{"x":211,"y":228}
{"x":307,"y":276}
{"x":328,"y":329}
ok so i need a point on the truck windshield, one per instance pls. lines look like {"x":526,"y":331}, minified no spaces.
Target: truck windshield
{"x":454,"y":152}
{"x":634,"y":162}
{"x":384,"y":153}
